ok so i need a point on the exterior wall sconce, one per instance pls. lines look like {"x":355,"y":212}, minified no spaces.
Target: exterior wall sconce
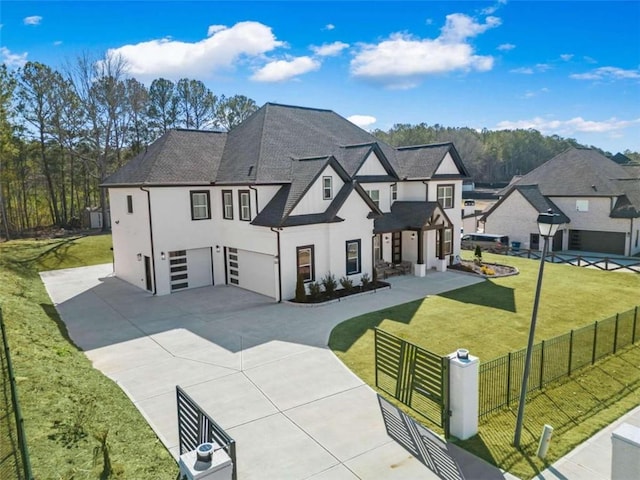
{"x":217,"y":248}
{"x":387,"y":238}
{"x":413,"y":236}
{"x":163,"y":256}
{"x":139,"y":257}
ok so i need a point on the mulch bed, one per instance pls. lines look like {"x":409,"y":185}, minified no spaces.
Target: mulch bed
{"x":342,"y":293}
{"x":470,"y":266}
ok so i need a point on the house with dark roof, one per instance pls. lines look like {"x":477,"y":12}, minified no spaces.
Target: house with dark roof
{"x":598,"y":200}
{"x":289,"y":192}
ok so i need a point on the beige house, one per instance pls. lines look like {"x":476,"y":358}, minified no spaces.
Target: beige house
{"x":598,"y":199}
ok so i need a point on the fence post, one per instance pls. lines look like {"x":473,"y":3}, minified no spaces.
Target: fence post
{"x":570,"y":351}
{"x":541,"y":364}
{"x":595,"y":342}
{"x":375,"y":353}
{"x":635,"y":319}
{"x":615,"y":334}
{"x":509,"y":379}
{"x":606,"y":263}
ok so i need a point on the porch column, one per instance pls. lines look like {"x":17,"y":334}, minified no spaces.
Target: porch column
{"x":441,"y":264}
{"x":419,"y":269}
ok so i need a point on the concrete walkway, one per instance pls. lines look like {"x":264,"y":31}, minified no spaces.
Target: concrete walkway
{"x":261,"y":370}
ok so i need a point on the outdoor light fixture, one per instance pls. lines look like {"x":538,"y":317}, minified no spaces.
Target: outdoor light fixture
{"x":217,"y":248}
{"x":163,"y":256}
{"x":413,"y":236}
{"x":387,"y":238}
{"x":548,"y":224}
{"x":139,"y":257}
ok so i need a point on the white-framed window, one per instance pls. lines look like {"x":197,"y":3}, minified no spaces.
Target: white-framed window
{"x":200,"y":205}
{"x":582,"y":205}
{"x":448,"y":241}
{"x":304,"y":263}
{"x":375,"y":196}
{"x":227,"y":204}
{"x":394,"y":191}
{"x":245,"y":205}
{"x":353,"y":257}
{"x":445,"y":196}
{"x":327,"y":188}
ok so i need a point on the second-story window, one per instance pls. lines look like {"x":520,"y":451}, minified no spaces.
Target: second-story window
{"x":394,"y":191}
{"x":245,"y":205}
{"x":227,"y":204}
{"x":375,"y":196}
{"x":200,"y":205}
{"x":445,"y":196}
{"x":327,"y":188}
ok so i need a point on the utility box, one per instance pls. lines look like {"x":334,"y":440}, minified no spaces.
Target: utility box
{"x":207,"y":462}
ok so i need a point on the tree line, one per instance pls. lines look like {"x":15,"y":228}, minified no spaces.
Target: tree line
{"x":64,"y":131}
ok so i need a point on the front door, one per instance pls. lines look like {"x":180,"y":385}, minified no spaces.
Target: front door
{"x":396,"y":247}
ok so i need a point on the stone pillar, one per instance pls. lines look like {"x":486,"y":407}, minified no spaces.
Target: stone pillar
{"x":625,"y":458}
{"x":463,"y":394}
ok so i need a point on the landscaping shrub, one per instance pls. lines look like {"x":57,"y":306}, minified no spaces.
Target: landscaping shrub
{"x":478,"y":255}
{"x":330,"y":284}
{"x":346,"y":283}
{"x":486,"y":270}
{"x":301,"y":293}
{"x":365,"y":280}
{"x":314,"y":291}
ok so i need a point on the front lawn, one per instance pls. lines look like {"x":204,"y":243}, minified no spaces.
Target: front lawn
{"x":79,"y":424}
{"x":492,"y":318}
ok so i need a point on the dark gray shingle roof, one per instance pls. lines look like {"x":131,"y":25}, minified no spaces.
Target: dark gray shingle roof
{"x":533,"y":195}
{"x":406,"y":216}
{"x":422,"y":161}
{"x":177,"y":157}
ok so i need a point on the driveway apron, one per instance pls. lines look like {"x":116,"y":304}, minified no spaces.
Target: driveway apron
{"x":262,"y":370}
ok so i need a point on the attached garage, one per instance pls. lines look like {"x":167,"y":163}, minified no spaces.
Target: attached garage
{"x":190,"y":268}
{"x":251,"y":270}
{"x":601,"y":242}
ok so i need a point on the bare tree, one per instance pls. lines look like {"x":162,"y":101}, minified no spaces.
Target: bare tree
{"x":163,"y":105}
{"x":234,"y":110}
{"x":197,"y":104}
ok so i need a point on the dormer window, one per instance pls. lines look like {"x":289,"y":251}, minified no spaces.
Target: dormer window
{"x":327,"y":188}
{"x":375,"y":196}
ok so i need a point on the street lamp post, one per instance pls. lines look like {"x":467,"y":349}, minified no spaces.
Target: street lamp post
{"x":548,"y":224}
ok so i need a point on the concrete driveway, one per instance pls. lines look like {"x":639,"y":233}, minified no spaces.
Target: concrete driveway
{"x":262,"y":370}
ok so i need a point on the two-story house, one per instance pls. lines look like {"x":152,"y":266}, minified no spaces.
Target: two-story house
{"x":291,"y":191}
{"x":599,"y":202}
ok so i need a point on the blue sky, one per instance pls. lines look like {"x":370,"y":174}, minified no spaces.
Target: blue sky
{"x":565,"y":68}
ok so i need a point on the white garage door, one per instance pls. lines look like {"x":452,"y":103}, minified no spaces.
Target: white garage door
{"x":190,"y":268}
{"x":251,"y":270}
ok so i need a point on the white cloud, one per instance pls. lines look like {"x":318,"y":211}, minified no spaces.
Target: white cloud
{"x":329,"y":49}
{"x":281,"y":70}
{"x":57,"y":43}
{"x":363,"y":121}
{"x":33,"y":20}
{"x":402,"y":60}
{"x":329,"y":26}
{"x":539,"y":68}
{"x":523,"y":70}
{"x":215,"y":29}
{"x":12,"y":59}
{"x":505,"y":47}
{"x":566,"y":56}
{"x":459,"y":27}
{"x":221,"y":50}
{"x":568,"y":127}
{"x":608,"y":73}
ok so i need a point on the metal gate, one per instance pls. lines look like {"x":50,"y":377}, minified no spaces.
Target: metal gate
{"x":414,"y":376}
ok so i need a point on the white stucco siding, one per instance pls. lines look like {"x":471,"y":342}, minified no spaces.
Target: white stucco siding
{"x":412,"y":191}
{"x":454,"y":213}
{"x":372,"y":166}
{"x":514,"y":217}
{"x":447,"y":166}
{"x":384,"y":194}
{"x":329,"y":245}
{"x":313,"y":201}
{"x":130,"y":234}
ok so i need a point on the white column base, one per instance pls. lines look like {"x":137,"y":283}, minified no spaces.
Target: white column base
{"x":419,"y":269}
{"x":441,"y":265}
{"x":463,"y":396}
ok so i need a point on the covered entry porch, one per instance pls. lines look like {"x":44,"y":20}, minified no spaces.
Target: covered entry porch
{"x":413,"y":238}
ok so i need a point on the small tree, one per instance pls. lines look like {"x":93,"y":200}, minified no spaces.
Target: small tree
{"x":478,"y":254}
{"x":329,"y":283}
{"x":301,"y":293}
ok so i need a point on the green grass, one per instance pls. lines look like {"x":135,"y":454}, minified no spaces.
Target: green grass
{"x":69,"y":407}
{"x":491,"y":319}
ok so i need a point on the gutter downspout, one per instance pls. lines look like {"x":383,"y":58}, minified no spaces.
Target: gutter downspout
{"x":255,"y":190}
{"x":153,"y":256}
{"x":277,"y":232}
{"x":426,"y":190}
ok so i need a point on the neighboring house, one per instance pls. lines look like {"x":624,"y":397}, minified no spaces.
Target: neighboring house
{"x":599,"y":201}
{"x":289,"y":192}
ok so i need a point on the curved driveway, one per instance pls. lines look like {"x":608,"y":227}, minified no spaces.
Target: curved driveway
{"x":261,"y":370}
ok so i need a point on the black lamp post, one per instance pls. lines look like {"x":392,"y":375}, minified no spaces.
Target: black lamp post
{"x":548,"y":224}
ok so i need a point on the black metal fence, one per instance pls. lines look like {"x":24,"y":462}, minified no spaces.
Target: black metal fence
{"x":14,"y":454}
{"x":196,"y":427}
{"x":414,"y":376}
{"x":603,"y":262}
{"x":500,"y":379}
